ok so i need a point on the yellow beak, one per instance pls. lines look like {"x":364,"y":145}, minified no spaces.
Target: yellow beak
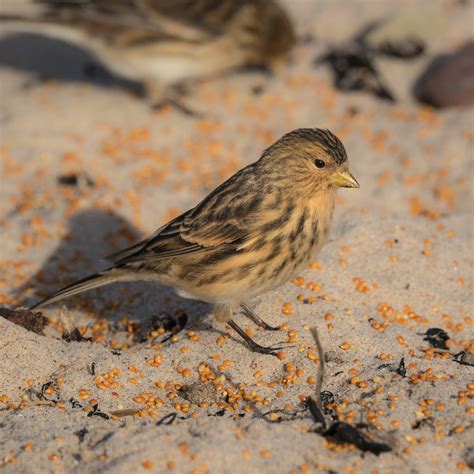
{"x":344,"y":179}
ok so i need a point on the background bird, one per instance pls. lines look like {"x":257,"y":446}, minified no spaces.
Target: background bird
{"x":250,"y":235}
{"x":162,"y":43}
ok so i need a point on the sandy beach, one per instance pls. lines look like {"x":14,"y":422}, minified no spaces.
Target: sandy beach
{"x":156,"y":384}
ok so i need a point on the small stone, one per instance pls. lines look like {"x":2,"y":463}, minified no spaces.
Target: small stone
{"x":333,"y":356}
{"x":199,"y":392}
{"x":469,"y":457}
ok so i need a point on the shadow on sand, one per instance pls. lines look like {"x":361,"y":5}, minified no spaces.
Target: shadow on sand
{"x":48,"y":58}
{"x":92,"y":234}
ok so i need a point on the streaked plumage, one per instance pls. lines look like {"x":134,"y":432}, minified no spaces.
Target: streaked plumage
{"x":250,"y":235}
{"x":166,"y":42}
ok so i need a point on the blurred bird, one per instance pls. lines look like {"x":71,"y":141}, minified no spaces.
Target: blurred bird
{"x":162,"y":43}
{"x":250,"y":235}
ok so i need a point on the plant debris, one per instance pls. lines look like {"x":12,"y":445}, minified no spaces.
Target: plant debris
{"x":125,"y":412}
{"x":31,"y":321}
{"x":436,"y":338}
{"x":46,"y":389}
{"x":167,"y":419}
{"x":408,"y":48}
{"x":96,"y":412}
{"x":81,"y":434}
{"x":165,"y":323}
{"x":74,"y":336}
{"x":353,"y":69}
{"x":75,"y":180}
{"x":402,"y":370}
{"x":338,"y":432}
{"x":464,"y":358}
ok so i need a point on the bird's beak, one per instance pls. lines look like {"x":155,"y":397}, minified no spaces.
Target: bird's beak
{"x":344,"y":179}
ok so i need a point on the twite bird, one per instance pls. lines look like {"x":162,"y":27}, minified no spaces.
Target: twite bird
{"x":162,"y":43}
{"x":250,"y":235}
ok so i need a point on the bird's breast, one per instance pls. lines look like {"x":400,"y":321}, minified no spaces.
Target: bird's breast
{"x":279,"y":248}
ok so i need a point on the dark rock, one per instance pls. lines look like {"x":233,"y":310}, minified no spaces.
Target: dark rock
{"x":449,"y":80}
{"x":32,"y":321}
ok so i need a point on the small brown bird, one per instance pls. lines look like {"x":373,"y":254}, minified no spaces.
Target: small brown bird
{"x":250,"y":235}
{"x":162,"y":43}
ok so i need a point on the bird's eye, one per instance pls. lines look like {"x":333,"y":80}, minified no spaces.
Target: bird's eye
{"x":319,"y":163}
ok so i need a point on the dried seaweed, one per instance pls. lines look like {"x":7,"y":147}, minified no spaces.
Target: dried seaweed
{"x":336,"y":431}
{"x":125,"y":412}
{"x":464,"y":358}
{"x":346,"y":433}
{"x":436,"y":338}
{"x":167,"y":419}
{"x":402,"y":370}
{"x":74,"y":336}
{"x":171,"y":325}
{"x":74,"y":180}
{"x":354,"y":69}
{"x":30,"y":320}
{"x":96,"y":412}
{"x":354,"y":64}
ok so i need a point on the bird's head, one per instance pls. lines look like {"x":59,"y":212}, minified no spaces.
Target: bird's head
{"x":308,"y":160}
{"x":274,"y":34}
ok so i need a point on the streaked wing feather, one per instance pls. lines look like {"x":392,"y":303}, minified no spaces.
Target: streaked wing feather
{"x":183,"y":241}
{"x":131,"y":22}
{"x":117,"y":22}
{"x":152,"y":255}
{"x":224,"y":218}
{"x":167,"y":229}
{"x":194,"y":18}
{"x":214,"y":234}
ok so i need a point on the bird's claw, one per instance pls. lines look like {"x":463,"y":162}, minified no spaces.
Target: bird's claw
{"x":267,"y":327}
{"x":265,"y":350}
{"x":272,"y":350}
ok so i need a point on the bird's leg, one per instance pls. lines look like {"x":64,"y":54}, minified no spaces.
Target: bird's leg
{"x":223,"y":313}
{"x":159,"y":95}
{"x":251,"y":314}
{"x":254,"y":347}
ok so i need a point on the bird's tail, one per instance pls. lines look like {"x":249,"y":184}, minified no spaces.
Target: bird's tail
{"x":93,"y":281}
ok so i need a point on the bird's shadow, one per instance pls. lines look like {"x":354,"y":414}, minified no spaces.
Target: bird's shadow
{"x":46,"y":58}
{"x":93,"y":233}
{"x":51,"y":58}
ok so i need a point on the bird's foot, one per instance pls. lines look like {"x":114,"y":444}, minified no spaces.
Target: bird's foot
{"x":251,"y":314}
{"x":272,"y":350}
{"x":177,"y":104}
{"x":253,"y":346}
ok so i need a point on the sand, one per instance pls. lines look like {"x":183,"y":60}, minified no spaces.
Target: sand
{"x":398,"y":262}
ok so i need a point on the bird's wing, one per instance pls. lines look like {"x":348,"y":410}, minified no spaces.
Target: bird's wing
{"x":131,"y":22}
{"x":116,"y":22}
{"x":194,"y":18}
{"x":229,"y":216}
